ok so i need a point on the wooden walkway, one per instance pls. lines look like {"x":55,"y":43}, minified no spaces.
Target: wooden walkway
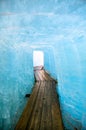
{"x":42,"y":111}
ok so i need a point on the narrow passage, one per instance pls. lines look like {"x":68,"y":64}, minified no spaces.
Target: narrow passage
{"x":42,"y":111}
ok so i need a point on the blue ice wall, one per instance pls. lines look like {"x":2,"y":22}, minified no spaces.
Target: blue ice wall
{"x":16,"y":79}
{"x":58,"y":28}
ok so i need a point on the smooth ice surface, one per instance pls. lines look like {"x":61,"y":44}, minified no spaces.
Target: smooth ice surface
{"x":56,"y":27}
{"x":16,"y":79}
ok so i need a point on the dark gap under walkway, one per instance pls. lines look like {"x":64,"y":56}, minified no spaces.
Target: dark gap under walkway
{"x":42,"y":111}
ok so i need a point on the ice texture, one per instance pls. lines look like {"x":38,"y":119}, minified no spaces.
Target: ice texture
{"x":56,"y":27}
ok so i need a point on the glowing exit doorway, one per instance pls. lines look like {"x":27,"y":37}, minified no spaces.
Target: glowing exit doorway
{"x":38,"y":58}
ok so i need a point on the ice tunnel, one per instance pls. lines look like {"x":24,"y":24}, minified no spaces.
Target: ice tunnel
{"x":58,"y":29}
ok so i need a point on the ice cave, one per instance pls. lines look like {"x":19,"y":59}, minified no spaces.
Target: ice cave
{"x":54,"y":31}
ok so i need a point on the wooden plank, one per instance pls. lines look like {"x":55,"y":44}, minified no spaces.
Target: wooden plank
{"x":34,"y":122}
{"x":43,"y":110}
{"x":22,"y":123}
{"x":43,"y":76}
{"x":48,"y":102}
{"x":37,"y":75}
{"x":40,"y":76}
{"x":51,"y":78}
{"x":56,"y":114}
{"x":40,"y":107}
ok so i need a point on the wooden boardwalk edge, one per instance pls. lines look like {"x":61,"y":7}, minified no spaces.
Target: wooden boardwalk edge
{"x":42,"y":111}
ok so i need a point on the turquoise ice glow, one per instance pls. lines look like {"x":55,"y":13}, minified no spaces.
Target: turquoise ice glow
{"x":56,"y":27}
